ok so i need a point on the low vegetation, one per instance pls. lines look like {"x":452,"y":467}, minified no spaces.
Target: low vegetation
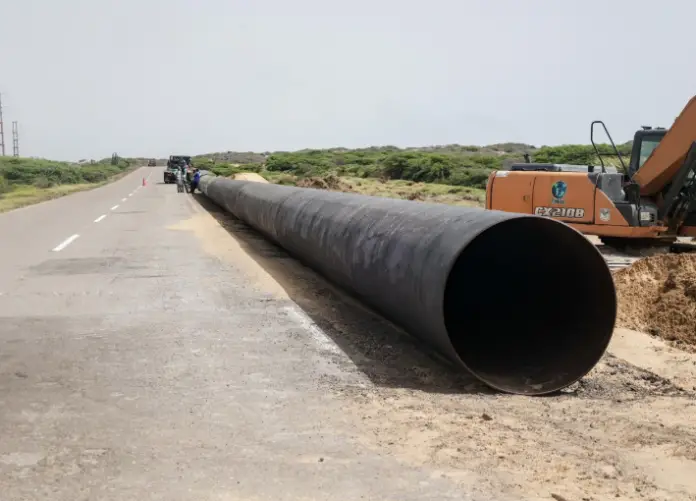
{"x":450,"y":174}
{"x":24,"y":181}
{"x":454,"y":174}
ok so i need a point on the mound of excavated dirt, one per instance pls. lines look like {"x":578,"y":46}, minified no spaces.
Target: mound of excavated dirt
{"x":249,"y":176}
{"x":658,"y":295}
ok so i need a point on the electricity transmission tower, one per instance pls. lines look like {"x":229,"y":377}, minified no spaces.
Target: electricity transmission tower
{"x":15,"y":139}
{"x":2,"y":131}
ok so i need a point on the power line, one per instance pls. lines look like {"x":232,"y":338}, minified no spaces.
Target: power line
{"x":15,"y":139}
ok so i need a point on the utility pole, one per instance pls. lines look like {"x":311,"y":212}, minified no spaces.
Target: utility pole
{"x":15,"y":139}
{"x":2,"y":131}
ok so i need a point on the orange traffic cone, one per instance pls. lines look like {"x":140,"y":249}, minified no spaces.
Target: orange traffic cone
{"x":144,"y":182}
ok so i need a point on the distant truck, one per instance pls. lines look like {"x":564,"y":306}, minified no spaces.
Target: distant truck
{"x":173,"y":165}
{"x":152,"y":162}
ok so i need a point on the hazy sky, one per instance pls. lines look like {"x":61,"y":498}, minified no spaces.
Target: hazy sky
{"x":86,"y":78}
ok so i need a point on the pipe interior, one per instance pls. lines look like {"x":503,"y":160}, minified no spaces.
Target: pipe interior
{"x":530,"y":306}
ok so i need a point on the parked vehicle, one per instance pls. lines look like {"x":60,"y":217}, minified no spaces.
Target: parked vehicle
{"x":175,"y":163}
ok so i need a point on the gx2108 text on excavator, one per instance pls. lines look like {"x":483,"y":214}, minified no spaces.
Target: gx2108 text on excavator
{"x":648,"y":205}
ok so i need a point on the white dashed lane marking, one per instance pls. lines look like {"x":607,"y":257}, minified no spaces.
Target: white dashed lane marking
{"x":65,"y":243}
{"x":74,"y":237}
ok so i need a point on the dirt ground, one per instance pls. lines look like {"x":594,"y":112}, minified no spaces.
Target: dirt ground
{"x":624,"y":432}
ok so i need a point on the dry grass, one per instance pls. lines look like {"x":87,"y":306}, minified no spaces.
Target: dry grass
{"x":22,"y":196}
{"x":407,"y":190}
{"x":430,"y":192}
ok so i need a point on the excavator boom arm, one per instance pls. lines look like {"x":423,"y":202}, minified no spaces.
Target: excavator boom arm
{"x":666,"y":160}
{"x":682,"y":193}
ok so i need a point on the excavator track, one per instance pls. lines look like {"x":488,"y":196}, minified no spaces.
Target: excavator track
{"x":615,"y":259}
{"x":681,"y":247}
{"x":620,"y":256}
{"x":639,"y":247}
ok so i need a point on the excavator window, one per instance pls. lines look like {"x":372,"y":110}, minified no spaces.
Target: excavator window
{"x":647,"y":145}
{"x":644,"y":143}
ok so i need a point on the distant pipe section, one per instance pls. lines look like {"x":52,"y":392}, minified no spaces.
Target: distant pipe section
{"x":525,"y":303}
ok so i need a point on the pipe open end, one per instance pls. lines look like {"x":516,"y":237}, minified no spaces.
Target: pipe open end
{"x":530,"y":306}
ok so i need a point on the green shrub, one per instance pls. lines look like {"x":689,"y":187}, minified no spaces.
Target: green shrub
{"x":44,"y":173}
{"x":43,"y":182}
{"x":4,"y":185}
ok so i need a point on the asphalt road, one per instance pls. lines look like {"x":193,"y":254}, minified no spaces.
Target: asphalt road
{"x":145,"y":355}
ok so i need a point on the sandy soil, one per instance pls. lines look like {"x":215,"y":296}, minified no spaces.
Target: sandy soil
{"x":658,"y":295}
{"x":625,"y":432}
{"x":250,"y":176}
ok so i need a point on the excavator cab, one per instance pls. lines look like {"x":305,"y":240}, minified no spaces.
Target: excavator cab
{"x":644,"y":143}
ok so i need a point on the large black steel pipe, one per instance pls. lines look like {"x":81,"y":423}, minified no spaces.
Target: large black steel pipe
{"x":525,"y":303}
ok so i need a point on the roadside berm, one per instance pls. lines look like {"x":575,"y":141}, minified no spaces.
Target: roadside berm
{"x":657,"y":295}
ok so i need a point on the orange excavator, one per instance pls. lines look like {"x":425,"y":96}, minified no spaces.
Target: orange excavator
{"x":648,"y":204}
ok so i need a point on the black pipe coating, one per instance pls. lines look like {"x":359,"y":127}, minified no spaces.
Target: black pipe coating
{"x":525,"y":303}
